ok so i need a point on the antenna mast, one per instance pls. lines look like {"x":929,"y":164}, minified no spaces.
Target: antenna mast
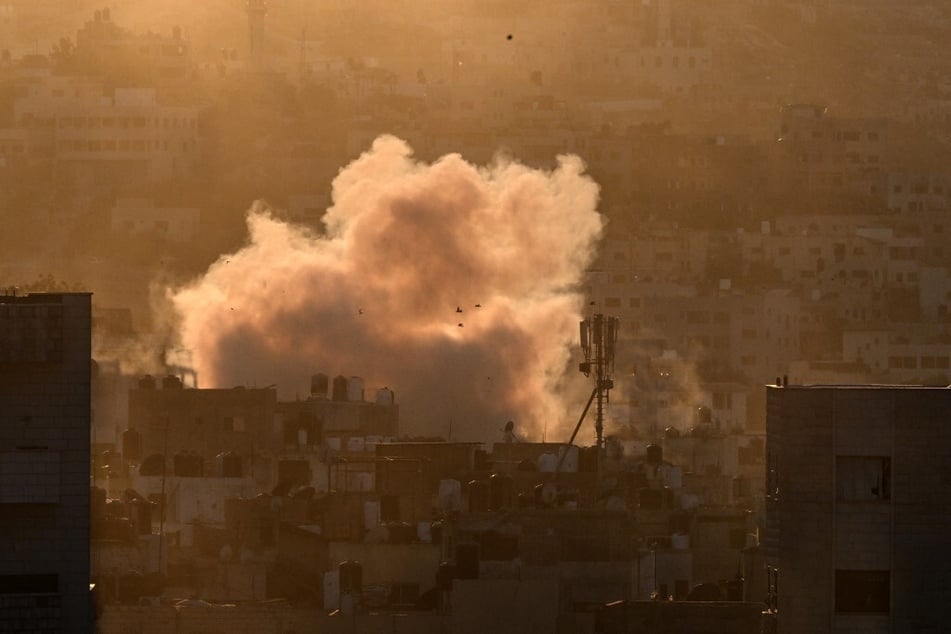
{"x":598,"y":342}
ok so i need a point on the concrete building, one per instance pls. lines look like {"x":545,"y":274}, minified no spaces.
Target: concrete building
{"x":857,"y":492}
{"x":142,"y":215}
{"x":816,"y":151}
{"x":173,"y":421}
{"x":82,"y":126}
{"x":45,"y":365}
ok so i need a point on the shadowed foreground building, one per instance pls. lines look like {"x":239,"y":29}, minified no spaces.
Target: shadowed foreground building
{"x":44,"y":462}
{"x":859,"y":487}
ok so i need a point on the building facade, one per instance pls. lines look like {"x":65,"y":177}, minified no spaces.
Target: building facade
{"x":857,"y":496}
{"x":45,"y":368}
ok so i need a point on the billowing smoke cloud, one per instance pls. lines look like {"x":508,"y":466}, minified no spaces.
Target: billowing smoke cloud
{"x":408,"y":246}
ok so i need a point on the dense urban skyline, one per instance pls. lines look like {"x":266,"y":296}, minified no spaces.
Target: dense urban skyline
{"x":337,"y":207}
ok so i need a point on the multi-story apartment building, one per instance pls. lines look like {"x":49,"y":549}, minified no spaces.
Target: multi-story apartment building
{"x":45,"y":366}
{"x":817,"y":152}
{"x":914,"y":192}
{"x":77,"y":124}
{"x":857,"y":492}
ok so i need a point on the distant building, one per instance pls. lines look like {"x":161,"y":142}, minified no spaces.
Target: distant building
{"x":858,"y":487}
{"x":819,"y":152}
{"x":84,"y":127}
{"x":141,"y":215}
{"x":45,"y":368}
{"x":174,"y":421}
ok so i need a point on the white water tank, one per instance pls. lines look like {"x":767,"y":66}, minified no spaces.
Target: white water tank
{"x":547,"y":462}
{"x":371,"y":443}
{"x":385,"y":396}
{"x":673,"y":476}
{"x":450,"y":495}
{"x":332,"y":589}
{"x":424,"y":532}
{"x":371,"y":514}
{"x":569,"y":464}
{"x":689,"y":501}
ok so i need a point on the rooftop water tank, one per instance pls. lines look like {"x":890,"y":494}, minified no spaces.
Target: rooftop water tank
{"x":339,"y":391}
{"x":501,"y":491}
{"x":171,"y":382}
{"x":355,"y":389}
{"x":188,"y":465}
{"x":385,"y":396}
{"x":153,"y":465}
{"x":444,"y":576}
{"x":467,"y":561}
{"x":319,"y":384}
{"x":228,"y":465}
{"x":131,"y":444}
{"x":478,"y":497}
{"x":351,"y":577}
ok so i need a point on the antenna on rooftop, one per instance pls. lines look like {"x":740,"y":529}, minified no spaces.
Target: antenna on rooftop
{"x":598,"y":343}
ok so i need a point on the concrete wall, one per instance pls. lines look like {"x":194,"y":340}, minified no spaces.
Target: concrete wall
{"x":814,"y":528}
{"x":45,"y":362}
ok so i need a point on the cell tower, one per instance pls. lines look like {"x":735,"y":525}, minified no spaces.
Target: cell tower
{"x":598,"y":342}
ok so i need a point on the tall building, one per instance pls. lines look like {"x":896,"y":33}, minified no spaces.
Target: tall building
{"x":858,"y":492}
{"x":45,"y":368}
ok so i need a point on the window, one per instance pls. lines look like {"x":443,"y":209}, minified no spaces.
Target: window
{"x":722,"y":400}
{"x":612,"y":302}
{"x":862,"y":478}
{"x":31,"y":476}
{"x":233,"y":423}
{"x":862,"y":591}
{"x":29,"y":584}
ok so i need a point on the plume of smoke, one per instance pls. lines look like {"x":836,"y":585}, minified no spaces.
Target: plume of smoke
{"x":408,"y":245}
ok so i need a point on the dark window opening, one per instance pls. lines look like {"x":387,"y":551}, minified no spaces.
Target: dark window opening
{"x":863,"y":478}
{"x":862,"y":591}
{"x":29,"y":584}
